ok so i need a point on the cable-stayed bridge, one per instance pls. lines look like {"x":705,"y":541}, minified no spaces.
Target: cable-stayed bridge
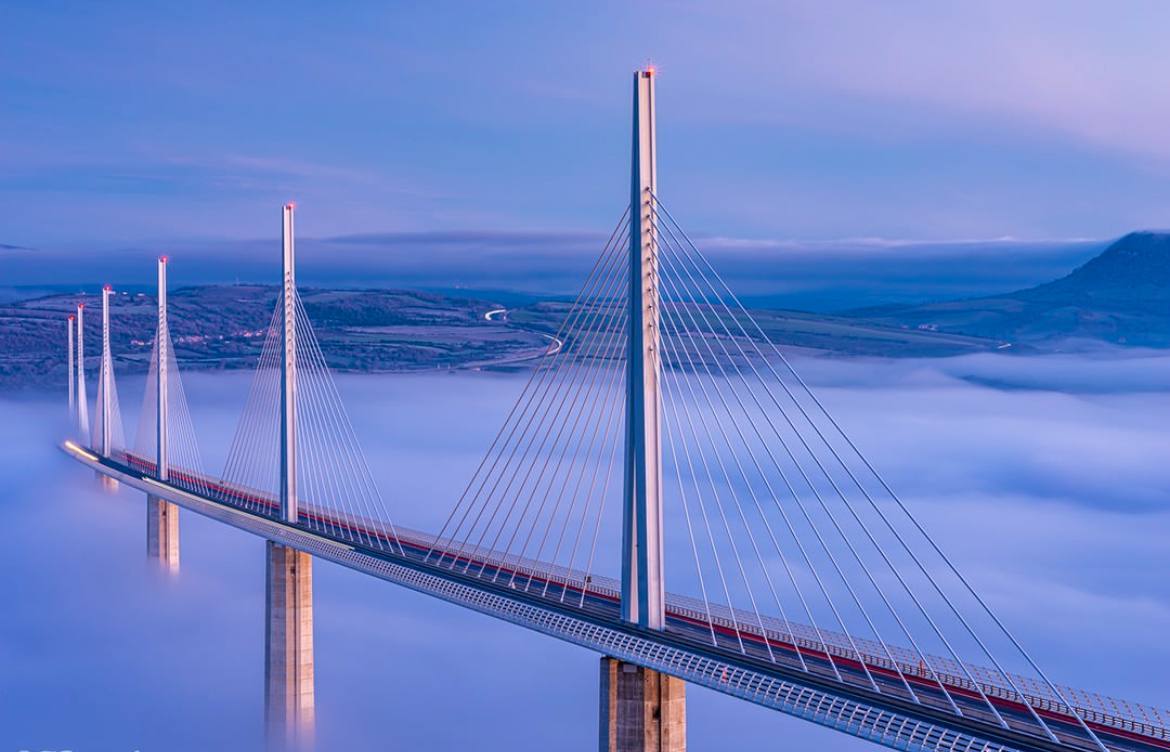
{"x":666,"y":491}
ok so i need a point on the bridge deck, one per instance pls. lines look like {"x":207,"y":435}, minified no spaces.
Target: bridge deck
{"x":779,"y":666}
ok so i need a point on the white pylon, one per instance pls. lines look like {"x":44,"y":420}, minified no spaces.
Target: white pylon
{"x":82,"y":397}
{"x":162,"y":338}
{"x":105,"y":381}
{"x":72,"y":376}
{"x":642,"y":558}
{"x":288,"y":377}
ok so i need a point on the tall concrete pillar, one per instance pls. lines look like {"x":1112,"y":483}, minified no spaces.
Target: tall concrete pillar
{"x":288,"y":666}
{"x":162,"y":517}
{"x":642,"y":710}
{"x":162,"y":532}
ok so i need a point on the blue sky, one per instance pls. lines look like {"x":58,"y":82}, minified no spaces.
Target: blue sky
{"x":133,"y":123}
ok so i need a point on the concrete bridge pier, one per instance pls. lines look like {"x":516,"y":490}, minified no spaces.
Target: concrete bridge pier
{"x":162,"y":532}
{"x":289,"y":702}
{"x":641,"y":710}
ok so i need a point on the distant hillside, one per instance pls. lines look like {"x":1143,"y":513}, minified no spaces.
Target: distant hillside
{"x":1120,"y":296}
{"x":223,"y":327}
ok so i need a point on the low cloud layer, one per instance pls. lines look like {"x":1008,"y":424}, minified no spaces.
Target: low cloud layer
{"x":1044,"y":477}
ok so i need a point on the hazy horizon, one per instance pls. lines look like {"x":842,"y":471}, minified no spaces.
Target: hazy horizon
{"x":826,"y":276}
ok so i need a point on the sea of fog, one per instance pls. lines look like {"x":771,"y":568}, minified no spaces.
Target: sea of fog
{"x":1045,"y":477}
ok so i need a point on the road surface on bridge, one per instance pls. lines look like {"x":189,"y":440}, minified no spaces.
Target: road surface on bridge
{"x":789,"y":652}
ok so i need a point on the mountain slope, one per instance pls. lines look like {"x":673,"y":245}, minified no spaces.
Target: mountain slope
{"x":1121,"y":296}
